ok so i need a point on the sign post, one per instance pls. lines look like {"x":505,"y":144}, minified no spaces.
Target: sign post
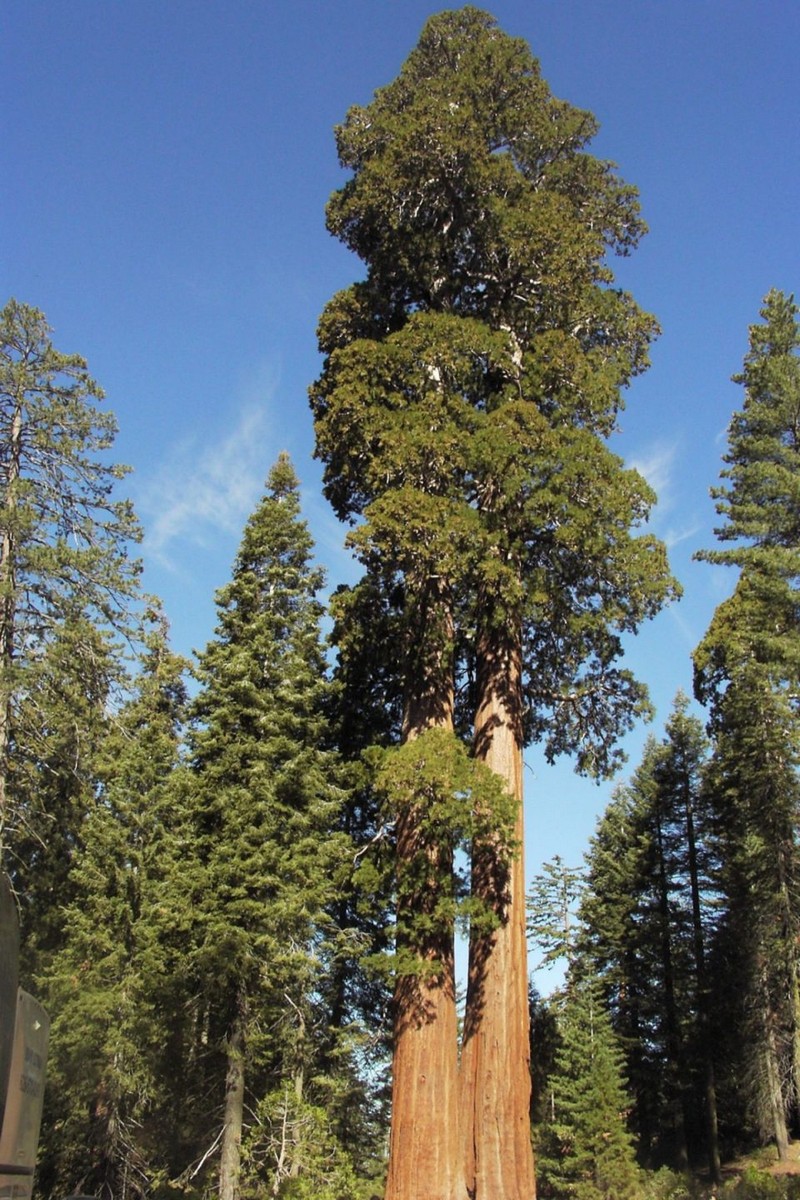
{"x":24,"y":1033}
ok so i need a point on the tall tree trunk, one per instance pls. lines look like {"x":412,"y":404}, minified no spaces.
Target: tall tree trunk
{"x":704,"y":1022}
{"x":230,"y":1151}
{"x":8,"y":598}
{"x":774,"y":1090}
{"x":675,"y":1075}
{"x":495,"y":1059}
{"x":424,"y":1159}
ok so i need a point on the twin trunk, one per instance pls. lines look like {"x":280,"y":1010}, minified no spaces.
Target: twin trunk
{"x":464,"y":1132}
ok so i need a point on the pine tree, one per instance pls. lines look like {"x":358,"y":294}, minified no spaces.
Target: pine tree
{"x":759,"y":507}
{"x":264,"y":792}
{"x":552,"y":901}
{"x":586,"y":1150}
{"x":468,"y":385}
{"x":64,"y":715}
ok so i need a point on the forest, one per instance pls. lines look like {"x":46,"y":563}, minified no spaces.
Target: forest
{"x":242,"y":880}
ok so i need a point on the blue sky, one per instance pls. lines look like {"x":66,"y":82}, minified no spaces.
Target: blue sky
{"x":166,"y":166}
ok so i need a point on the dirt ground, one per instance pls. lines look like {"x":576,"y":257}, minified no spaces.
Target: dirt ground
{"x":772,"y":1165}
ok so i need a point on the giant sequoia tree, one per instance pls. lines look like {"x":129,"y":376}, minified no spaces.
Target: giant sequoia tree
{"x":469,"y":383}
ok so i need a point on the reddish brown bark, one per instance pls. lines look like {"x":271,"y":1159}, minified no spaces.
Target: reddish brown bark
{"x":495,"y":1061}
{"x":8,"y":584}
{"x":424,"y":1159}
{"x":424,"y":1147}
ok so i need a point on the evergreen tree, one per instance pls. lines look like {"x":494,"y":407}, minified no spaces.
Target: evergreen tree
{"x":755,"y":790}
{"x":67,"y":584}
{"x":760,"y":510}
{"x":52,"y":773}
{"x":552,"y":902}
{"x":585,"y":1149}
{"x":648,"y":915}
{"x":748,"y":668}
{"x":468,"y":385}
{"x":263,"y":788}
{"x":105,"y":1134}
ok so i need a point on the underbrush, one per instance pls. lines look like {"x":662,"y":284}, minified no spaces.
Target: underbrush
{"x":752,"y":1184}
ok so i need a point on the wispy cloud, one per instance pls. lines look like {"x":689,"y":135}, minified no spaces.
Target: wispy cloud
{"x":658,"y":467}
{"x":201,"y":490}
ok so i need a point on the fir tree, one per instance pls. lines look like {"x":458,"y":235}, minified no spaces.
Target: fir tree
{"x":263,"y":788}
{"x":754,"y":788}
{"x":759,"y":504}
{"x":552,"y":902}
{"x":586,"y":1150}
{"x":107,"y":1000}
{"x":53,"y":775}
{"x":747,"y":668}
{"x":648,"y":916}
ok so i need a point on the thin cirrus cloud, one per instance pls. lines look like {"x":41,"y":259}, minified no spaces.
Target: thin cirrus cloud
{"x":658,"y":466}
{"x":201,"y":492}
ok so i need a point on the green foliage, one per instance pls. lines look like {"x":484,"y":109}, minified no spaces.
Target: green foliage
{"x":470,"y":379}
{"x":66,"y":537}
{"x":432,"y":784}
{"x":757,"y":1185}
{"x":755,"y":790}
{"x":585,"y":1149}
{"x":748,"y":668}
{"x":760,"y":505}
{"x":105,"y":1083}
{"x":648,"y":911}
{"x":263,"y":792}
{"x":293,"y":1143}
{"x":551,"y":911}
{"x":69,"y":607}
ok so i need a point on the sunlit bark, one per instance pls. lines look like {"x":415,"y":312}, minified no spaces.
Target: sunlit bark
{"x":495,"y":1060}
{"x":423,"y":1146}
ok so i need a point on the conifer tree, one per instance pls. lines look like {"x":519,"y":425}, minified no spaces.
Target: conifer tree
{"x":264,"y":794}
{"x":65,"y":570}
{"x":106,"y":1134}
{"x":552,"y":901}
{"x":754,"y":788}
{"x":62,"y":720}
{"x":647,"y":913}
{"x":586,"y":1150}
{"x":747,"y":668}
{"x":468,"y":386}
{"x":758,"y":502}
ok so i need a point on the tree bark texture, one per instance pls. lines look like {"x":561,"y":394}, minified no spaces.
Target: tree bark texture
{"x":230,"y":1151}
{"x":495,"y":1059}
{"x":424,"y":1160}
{"x":8,"y":552}
{"x":674,"y":1064}
{"x":710,"y":1087}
